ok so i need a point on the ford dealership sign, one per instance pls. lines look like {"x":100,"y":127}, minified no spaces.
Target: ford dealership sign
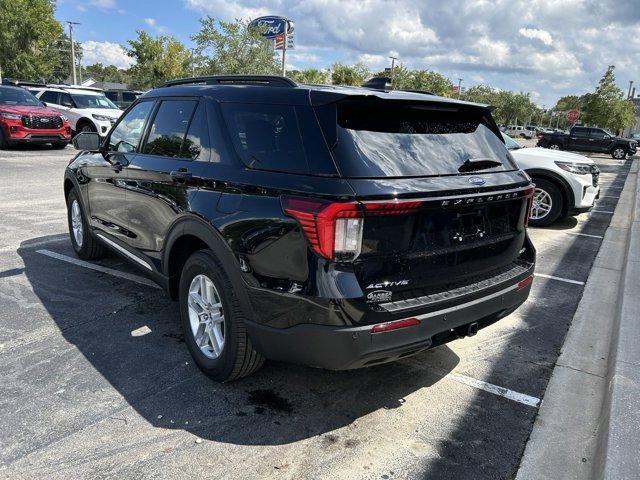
{"x":272,"y":25}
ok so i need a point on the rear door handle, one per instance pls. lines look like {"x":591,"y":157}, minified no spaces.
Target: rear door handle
{"x":181,"y":174}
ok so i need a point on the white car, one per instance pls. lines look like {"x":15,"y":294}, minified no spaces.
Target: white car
{"x":566,"y":183}
{"x":520,"y":131}
{"x":87,"y":109}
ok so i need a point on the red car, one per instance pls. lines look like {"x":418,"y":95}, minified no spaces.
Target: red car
{"x":24,"y":119}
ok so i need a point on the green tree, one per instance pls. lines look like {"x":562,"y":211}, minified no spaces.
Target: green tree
{"x":606,"y":107}
{"x":106,"y":73}
{"x":425,"y":80}
{"x":28,"y":39}
{"x":309,"y":75}
{"x":354,"y":75}
{"x":233,"y":48}
{"x":510,"y":107}
{"x":157,"y":60}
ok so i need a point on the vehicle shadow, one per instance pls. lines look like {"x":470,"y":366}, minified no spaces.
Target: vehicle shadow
{"x":103,"y":318}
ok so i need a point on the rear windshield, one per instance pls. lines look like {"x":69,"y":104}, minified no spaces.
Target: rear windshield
{"x":378,"y":139}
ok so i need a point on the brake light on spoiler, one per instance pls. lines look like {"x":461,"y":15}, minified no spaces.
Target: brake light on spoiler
{"x":334,"y":229}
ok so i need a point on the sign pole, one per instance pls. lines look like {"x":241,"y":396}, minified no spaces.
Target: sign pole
{"x":284,"y":50}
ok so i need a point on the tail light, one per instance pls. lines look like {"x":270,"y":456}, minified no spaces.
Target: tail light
{"x":528,"y":195}
{"x":395,"y":325}
{"x":334,"y":230}
{"x":524,"y":283}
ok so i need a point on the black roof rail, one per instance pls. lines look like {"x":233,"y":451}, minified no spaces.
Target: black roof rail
{"x":263,"y":80}
{"x":378,"y":83}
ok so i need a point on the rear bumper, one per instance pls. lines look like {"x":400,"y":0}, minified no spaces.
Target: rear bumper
{"x":340,"y":348}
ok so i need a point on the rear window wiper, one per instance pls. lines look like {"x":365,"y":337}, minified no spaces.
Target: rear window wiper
{"x":474,"y":164}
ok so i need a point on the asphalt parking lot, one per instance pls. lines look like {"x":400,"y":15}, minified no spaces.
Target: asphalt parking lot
{"x":95,"y":380}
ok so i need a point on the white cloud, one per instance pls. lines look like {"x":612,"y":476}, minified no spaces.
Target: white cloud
{"x":154,"y":24}
{"x":106,"y":53}
{"x":103,"y":4}
{"x":534,"y":33}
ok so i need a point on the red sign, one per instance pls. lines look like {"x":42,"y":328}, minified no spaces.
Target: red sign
{"x":573,"y":115}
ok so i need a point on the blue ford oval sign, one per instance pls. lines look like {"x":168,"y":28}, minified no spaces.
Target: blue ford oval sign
{"x":272,"y":25}
{"x":476,"y":181}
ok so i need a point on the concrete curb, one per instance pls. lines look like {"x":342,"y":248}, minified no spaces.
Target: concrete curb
{"x":617,"y":450}
{"x":581,"y":431}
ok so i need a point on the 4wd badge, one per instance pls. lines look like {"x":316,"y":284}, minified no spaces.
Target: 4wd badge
{"x":379,"y":296}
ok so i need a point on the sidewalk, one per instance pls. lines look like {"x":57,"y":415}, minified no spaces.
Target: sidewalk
{"x":589,"y":423}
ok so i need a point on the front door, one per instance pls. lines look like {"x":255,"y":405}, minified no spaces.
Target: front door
{"x":106,"y":172}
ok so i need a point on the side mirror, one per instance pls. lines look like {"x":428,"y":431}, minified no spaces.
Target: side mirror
{"x":87,"y":141}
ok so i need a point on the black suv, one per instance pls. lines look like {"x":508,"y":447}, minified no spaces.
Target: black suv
{"x":336,"y":227}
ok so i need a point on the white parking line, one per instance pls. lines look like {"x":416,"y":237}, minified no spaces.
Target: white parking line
{"x":600,"y":211}
{"x":609,"y":196}
{"x":99,"y":268}
{"x":582,"y":234}
{"x":496,"y":390}
{"x":560,"y":279}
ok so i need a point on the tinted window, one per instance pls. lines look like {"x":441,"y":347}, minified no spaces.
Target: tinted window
{"x":192,"y":145}
{"x":266,"y":137}
{"x":126,"y":134}
{"x":580,"y":132}
{"x":113,"y":96}
{"x":92,"y":101}
{"x":17,"y":96}
{"x":50,"y":97}
{"x":129,"y":96}
{"x":399,"y":139}
{"x":169,"y":128}
{"x":65,"y":100}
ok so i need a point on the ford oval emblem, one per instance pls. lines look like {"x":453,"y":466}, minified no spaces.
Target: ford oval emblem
{"x":476,"y":181}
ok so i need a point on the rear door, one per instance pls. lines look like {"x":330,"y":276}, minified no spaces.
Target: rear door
{"x":163,"y":179}
{"x":579,"y":139}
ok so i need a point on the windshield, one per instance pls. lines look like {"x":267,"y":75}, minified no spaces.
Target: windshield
{"x":510,"y":143}
{"x":92,"y":101}
{"x":378,"y":139}
{"x":18,"y":96}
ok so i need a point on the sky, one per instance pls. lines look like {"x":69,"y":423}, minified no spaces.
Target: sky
{"x":549,"y":48}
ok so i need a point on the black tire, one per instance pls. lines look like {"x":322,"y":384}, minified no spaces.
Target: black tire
{"x":3,"y":141}
{"x":555,"y":146}
{"x":91,"y":248}
{"x":238,"y":358}
{"x":557,"y":203}
{"x":619,"y":153}
{"x":59,"y":145}
{"x":85,"y":126}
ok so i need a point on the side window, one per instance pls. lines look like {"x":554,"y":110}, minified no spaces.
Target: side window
{"x":126,"y":135}
{"x":50,"y":96}
{"x":169,"y":128}
{"x":128,"y":97}
{"x":580,"y":132}
{"x":266,"y":137}
{"x":65,"y":100}
{"x":113,"y":96}
{"x":598,"y":134}
{"x":192,"y":145}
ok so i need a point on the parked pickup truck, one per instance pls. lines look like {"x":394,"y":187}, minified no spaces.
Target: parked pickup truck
{"x":588,"y":139}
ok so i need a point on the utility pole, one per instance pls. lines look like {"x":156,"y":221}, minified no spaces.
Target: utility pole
{"x":73,"y":51}
{"x":284,"y":49}
{"x":459,"y":87}
{"x":393,"y":65}
{"x":630,"y":85}
{"x":193,"y":64}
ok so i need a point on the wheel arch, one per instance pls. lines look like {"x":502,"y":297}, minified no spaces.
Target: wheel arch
{"x":189,"y":235}
{"x":565,"y":189}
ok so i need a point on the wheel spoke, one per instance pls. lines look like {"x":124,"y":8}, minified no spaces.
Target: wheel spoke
{"x":217,"y":341}
{"x":196,"y":302}
{"x":206,"y":316}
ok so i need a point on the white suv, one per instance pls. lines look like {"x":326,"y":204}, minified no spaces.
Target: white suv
{"x":520,"y":131}
{"x":88,"y":109}
{"x":566,"y":183}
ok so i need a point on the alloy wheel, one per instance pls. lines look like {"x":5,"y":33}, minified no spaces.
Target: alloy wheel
{"x":618,"y":153}
{"x":542,"y":204}
{"x":206,"y":316}
{"x":554,"y":146}
{"x":76,"y":223}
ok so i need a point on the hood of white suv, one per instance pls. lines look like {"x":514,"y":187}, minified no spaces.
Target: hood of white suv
{"x":542,"y":157}
{"x":105,"y":112}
